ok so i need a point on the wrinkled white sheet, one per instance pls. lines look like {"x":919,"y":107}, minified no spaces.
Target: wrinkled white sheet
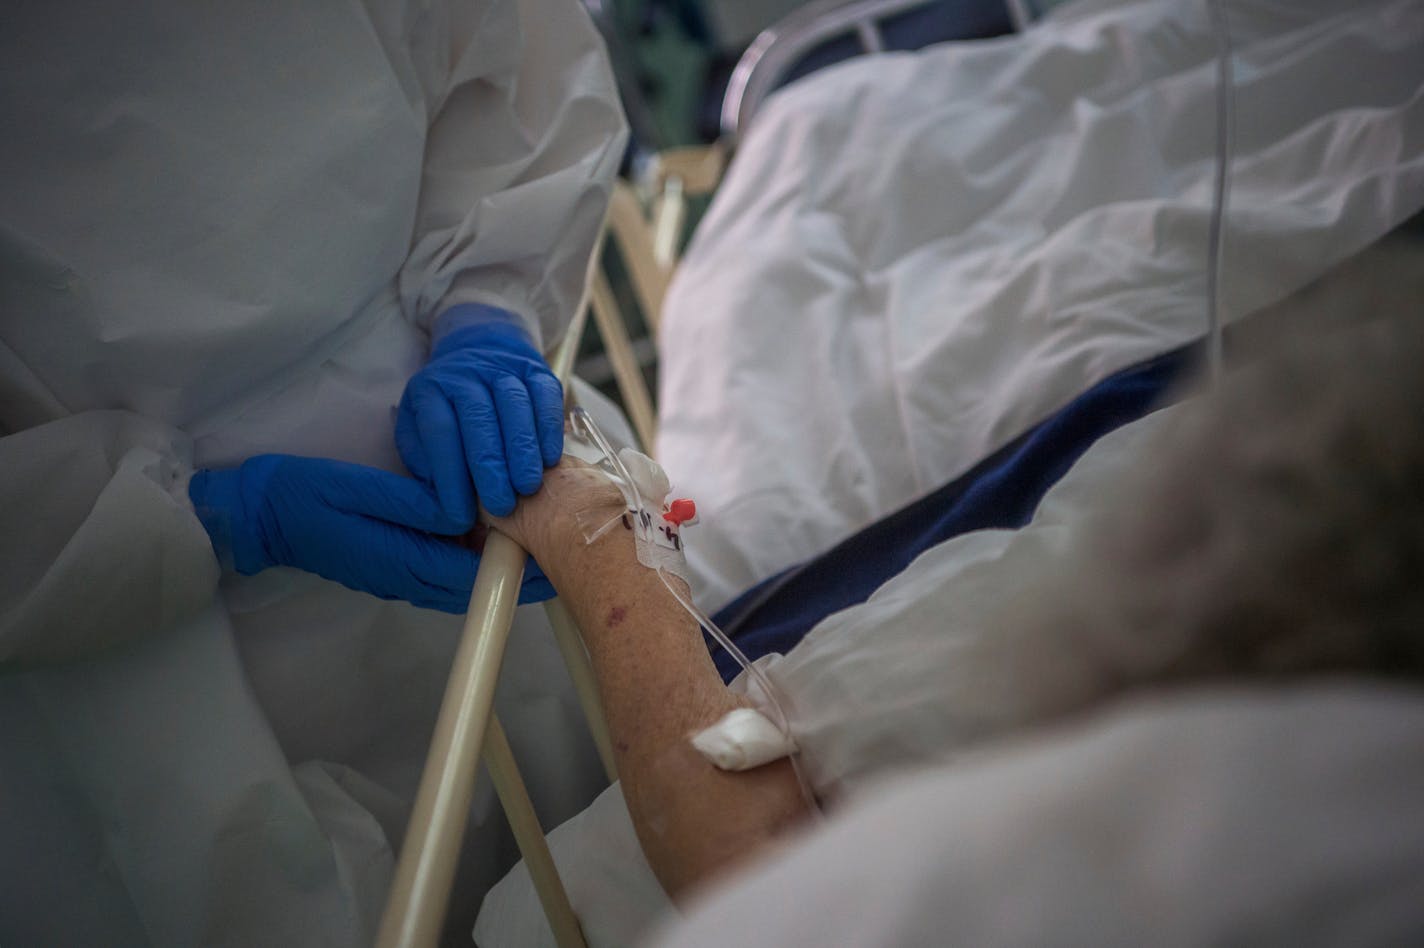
{"x":1285,"y":816}
{"x":1183,"y":820}
{"x":916,"y":257}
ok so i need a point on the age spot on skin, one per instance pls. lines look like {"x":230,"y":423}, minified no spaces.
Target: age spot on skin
{"x":616,"y":615}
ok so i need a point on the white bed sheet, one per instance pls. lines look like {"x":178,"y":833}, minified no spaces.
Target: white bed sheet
{"x":1267,"y":816}
{"x":916,"y":257}
{"x":1310,"y":790}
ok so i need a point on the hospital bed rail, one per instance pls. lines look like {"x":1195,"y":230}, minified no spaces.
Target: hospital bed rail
{"x":781,"y":48}
{"x":467,"y":731}
{"x":648,"y":242}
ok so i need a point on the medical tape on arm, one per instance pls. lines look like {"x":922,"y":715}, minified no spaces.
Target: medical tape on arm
{"x":655,"y":518}
{"x":658,"y":519}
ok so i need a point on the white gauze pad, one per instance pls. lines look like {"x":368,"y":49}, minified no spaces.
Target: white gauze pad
{"x":743,"y":739}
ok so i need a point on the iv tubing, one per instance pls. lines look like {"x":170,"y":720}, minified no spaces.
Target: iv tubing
{"x":781,"y":721}
{"x":1225,"y":146}
{"x":634,"y":502}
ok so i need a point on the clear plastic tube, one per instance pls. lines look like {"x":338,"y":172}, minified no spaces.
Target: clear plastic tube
{"x":779,"y":716}
{"x":1225,"y":147}
{"x":596,"y":524}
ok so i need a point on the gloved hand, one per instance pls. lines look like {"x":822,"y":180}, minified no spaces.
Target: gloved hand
{"x":484,"y":417}
{"x":365,"y":528}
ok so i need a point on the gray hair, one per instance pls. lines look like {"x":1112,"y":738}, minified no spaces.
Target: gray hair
{"x":1276,"y":531}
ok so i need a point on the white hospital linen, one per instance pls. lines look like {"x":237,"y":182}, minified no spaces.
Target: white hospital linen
{"x":916,"y":257}
{"x":610,"y":885}
{"x":1269,"y":816}
{"x":1207,"y":816}
{"x":225,"y":233}
{"x":926,"y":666}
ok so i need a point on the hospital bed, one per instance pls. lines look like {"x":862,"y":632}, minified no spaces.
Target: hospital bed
{"x":649,"y":214}
{"x":466,"y":728}
{"x":647,"y":235}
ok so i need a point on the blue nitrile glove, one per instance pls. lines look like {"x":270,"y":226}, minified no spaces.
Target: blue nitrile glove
{"x":365,"y":528}
{"x":484,"y":417}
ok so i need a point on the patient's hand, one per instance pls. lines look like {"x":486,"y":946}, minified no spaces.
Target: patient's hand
{"x":547,"y":523}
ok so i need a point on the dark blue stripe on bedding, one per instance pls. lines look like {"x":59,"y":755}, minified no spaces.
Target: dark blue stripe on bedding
{"x":1002,"y":491}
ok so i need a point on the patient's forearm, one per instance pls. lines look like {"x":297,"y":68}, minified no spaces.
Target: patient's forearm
{"x":659,"y":686}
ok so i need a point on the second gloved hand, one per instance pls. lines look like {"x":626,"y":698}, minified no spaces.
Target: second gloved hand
{"x":483,"y":418}
{"x":365,"y":528}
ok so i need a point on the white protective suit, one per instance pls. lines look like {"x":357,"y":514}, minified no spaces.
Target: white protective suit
{"x":225,"y":232}
{"x":915,"y":258}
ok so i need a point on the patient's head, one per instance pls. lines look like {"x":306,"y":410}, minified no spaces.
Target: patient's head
{"x":1277,"y":530}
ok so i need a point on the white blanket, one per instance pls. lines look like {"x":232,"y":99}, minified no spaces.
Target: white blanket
{"x":916,"y":257}
{"x":1263,"y":816}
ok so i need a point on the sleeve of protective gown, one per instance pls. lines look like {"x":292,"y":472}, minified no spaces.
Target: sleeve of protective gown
{"x":525,"y":137}
{"x":99,"y":543}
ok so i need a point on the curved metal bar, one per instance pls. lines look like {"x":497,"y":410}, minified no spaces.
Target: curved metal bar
{"x":420,"y":894}
{"x":504,"y":774}
{"x":778,"y":48}
{"x":570,"y":642}
{"x":614,"y":332}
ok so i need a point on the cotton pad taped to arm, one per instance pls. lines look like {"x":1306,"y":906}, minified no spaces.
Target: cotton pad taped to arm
{"x":743,"y":739}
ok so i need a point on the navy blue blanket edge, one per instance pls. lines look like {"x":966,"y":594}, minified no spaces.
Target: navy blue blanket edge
{"x":1001,"y":491}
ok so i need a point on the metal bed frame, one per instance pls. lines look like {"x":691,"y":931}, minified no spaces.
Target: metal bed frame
{"x":466,"y":730}
{"x":779,"y":48}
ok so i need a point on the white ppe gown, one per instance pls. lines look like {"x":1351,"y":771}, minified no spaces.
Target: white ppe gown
{"x":224,"y":233}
